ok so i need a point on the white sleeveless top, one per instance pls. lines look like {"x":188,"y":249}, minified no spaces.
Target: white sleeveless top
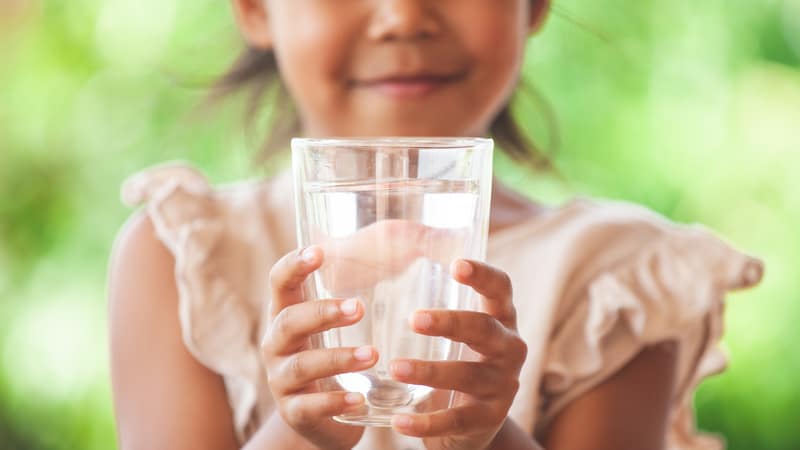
{"x":594,"y":282}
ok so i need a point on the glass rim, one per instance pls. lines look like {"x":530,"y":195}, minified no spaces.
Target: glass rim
{"x":395,"y":142}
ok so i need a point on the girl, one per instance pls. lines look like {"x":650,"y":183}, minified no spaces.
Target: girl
{"x":615,"y":314}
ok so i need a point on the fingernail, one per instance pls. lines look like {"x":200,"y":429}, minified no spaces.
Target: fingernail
{"x":354,"y":398}
{"x":401,"y":368}
{"x":402,"y":421}
{"x":363,"y":353}
{"x":309,"y":255}
{"x":463,"y":268}
{"x":350,"y":306}
{"x":423,"y":321}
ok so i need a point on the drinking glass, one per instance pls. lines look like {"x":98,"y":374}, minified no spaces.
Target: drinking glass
{"x":391,"y":215}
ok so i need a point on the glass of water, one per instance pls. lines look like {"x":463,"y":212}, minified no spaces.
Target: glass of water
{"x":391,"y":215}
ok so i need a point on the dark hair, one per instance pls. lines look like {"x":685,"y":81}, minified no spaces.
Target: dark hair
{"x":255,"y":72}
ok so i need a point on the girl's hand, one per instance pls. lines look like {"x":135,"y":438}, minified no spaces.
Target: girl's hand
{"x":486,"y":387}
{"x":294,"y":368}
{"x":383,"y":249}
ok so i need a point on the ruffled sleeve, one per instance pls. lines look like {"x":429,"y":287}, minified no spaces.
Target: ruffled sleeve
{"x":670,"y":288}
{"x":219,"y":325}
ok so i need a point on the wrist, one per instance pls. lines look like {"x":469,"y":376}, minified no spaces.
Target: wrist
{"x":499,"y":438}
{"x":296,"y":441}
{"x":279,"y":435}
{"x":510,"y":435}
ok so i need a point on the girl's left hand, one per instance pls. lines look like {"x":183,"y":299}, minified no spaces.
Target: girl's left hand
{"x":486,"y":387}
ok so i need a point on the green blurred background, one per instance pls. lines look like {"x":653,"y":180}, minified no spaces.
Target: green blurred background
{"x":689,"y":107}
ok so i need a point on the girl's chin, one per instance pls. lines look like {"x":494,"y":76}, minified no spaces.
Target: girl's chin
{"x":403,"y":123}
{"x":414,"y":132}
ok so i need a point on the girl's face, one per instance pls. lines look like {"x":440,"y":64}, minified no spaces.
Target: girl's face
{"x":394,"y":67}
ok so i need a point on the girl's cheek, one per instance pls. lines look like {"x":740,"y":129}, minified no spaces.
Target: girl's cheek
{"x":313,"y":44}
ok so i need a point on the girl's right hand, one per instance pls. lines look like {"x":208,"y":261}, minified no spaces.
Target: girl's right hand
{"x":294,"y":368}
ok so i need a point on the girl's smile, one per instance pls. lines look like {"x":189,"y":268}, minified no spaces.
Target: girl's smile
{"x":403,"y":72}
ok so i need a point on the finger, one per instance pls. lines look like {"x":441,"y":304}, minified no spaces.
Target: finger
{"x":482,"y":332}
{"x":398,"y":238}
{"x":480,"y":380}
{"x":493,"y":284}
{"x":296,"y":323}
{"x":296,"y":372}
{"x":287,"y":276}
{"x":306,"y":411}
{"x":461,"y":420}
{"x":386,"y":247}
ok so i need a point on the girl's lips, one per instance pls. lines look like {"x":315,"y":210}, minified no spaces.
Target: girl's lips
{"x":408,"y":87}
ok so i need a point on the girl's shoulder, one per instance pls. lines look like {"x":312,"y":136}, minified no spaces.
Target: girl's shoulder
{"x":179,"y":198}
{"x":596,"y":235}
{"x":190,"y":214}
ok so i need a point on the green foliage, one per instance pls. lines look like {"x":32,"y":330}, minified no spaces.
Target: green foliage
{"x":690,"y":108}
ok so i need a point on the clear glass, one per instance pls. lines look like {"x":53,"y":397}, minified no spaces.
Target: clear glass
{"x":391,"y":214}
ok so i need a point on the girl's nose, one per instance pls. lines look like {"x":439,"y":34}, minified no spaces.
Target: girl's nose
{"x":404,"y":20}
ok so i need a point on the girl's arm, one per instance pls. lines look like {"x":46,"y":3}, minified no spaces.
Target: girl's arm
{"x":629,"y":411}
{"x":164,"y":398}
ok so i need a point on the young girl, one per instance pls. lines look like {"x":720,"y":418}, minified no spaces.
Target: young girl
{"x":616,"y":312}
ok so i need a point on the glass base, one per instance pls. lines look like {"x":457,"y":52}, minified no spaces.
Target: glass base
{"x":366,"y":421}
{"x":384,"y":400}
{"x":369,"y":416}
